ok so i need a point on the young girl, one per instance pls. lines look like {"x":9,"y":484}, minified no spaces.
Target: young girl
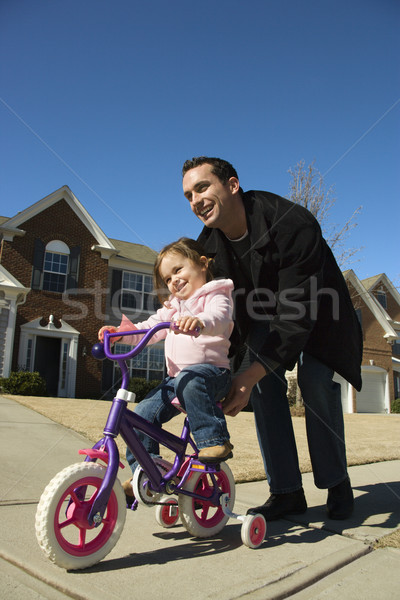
{"x":197,"y":367}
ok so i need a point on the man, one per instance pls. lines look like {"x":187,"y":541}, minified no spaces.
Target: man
{"x":291,"y":306}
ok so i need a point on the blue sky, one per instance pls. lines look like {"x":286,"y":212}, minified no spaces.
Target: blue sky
{"x":110,"y":98}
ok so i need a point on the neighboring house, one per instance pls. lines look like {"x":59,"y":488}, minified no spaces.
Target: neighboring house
{"x":61,"y":279}
{"x":377,"y":304}
{"x":387,"y":297}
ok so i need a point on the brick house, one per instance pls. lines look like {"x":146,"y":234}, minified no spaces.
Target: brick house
{"x":388,"y":298}
{"x":61,"y":279}
{"x":377,"y":303}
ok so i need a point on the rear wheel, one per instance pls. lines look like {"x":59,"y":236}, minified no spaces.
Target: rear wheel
{"x":141,"y":483}
{"x":200,"y":517}
{"x":62,"y":528}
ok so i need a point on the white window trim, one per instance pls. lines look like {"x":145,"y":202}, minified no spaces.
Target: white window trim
{"x":137,"y":293}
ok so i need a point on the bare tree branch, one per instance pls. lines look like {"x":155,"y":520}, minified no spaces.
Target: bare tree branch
{"x":307,"y":187}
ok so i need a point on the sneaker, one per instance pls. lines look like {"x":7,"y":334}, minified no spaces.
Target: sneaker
{"x":340,"y":502}
{"x":279,"y":505}
{"x":129,"y":495}
{"x":216,"y":453}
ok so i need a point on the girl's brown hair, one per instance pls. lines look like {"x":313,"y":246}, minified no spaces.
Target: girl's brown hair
{"x":187,"y":247}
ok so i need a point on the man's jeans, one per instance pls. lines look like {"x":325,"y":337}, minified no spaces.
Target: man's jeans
{"x":198,"y":389}
{"x":324,"y":423}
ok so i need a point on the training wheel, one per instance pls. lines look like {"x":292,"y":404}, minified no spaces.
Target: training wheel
{"x":253,"y":530}
{"x":167,"y":514}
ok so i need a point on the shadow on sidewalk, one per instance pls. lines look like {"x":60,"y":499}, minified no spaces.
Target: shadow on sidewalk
{"x":378,"y":506}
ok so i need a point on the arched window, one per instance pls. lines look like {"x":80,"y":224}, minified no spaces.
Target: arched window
{"x":55,"y":266}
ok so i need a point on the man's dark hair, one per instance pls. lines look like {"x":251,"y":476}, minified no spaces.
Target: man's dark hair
{"x":221,"y":168}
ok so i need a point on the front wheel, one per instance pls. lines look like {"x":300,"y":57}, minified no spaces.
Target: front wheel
{"x":200,"y":517}
{"x":62,"y":529}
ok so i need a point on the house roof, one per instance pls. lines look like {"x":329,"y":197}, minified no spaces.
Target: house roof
{"x":12,"y":226}
{"x":383,"y":279}
{"x":372,"y":303}
{"x":120,"y":250}
{"x":137,"y":252}
{"x":370,"y":282}
{"x":10,"y":286}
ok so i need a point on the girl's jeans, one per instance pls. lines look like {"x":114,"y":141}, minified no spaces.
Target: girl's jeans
{"x":324,"y":423}
{"x":198,"y":389}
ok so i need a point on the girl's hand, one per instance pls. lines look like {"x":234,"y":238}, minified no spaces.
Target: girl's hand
{"x":109,"y":328}
{"x":188,"y":324}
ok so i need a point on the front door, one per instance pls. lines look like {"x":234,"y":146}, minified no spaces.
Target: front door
{"x":47,"y":361}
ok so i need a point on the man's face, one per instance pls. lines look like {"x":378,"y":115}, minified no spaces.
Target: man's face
{"x":210,"y":199}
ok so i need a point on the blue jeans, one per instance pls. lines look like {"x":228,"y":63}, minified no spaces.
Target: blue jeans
{"x":323,"y":416}
{"x":198,"y":389}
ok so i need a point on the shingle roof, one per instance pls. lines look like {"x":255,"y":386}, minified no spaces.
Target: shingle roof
{"x":134,"y":251}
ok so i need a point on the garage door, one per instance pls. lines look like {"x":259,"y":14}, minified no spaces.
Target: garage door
{"x":371,"y":399}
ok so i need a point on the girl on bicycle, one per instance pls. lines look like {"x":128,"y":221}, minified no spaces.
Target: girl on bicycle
{"x":197,"y":365}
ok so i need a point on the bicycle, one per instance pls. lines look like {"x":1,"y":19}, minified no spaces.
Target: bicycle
{"x":81,"y":513}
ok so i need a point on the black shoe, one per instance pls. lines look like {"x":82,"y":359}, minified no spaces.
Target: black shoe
{"x":279,"y":505}
{"x":340,"y":501}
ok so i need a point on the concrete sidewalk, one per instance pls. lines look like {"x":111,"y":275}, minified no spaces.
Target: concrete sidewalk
{"x":308,"y":557}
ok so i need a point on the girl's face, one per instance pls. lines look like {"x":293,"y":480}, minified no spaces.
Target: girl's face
{"x":181,"y":275}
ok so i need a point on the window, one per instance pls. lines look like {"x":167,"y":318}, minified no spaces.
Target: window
{"x":137,"y":292}
{"x":64,"y":362}
{"x":396,"y":385}
{"x":55,"y":266}
{"x":381,"y":297}
{"x":29,"y":354}
{"x":149,"y":364}
{"x":359,"y":316}
{"x":396,"y":347}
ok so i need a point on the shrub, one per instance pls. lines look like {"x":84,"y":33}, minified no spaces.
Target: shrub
{"x":395,"y":407}
{"x":24,"y":383}
{"x":142,"y":387}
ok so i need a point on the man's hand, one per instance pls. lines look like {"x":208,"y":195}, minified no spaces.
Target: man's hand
{"x":237,"y":398}
{"x":239,"y":395}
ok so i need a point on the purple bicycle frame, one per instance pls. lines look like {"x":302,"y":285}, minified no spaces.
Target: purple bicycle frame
{"x":123,"y":421}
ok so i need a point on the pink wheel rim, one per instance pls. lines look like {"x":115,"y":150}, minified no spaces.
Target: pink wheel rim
{"x":257,"y":531}
{"x":71,"y":528}
{"x":207,"y":514}
{"x":167,"y":517}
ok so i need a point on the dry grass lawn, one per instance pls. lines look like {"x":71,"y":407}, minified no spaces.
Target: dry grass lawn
{"x":369,"y":438}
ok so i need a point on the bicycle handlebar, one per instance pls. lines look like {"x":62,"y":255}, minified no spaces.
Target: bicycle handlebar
{"x":147,"y":335}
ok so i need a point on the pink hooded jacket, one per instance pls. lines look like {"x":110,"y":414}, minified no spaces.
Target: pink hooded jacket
{"x":213,"y":305}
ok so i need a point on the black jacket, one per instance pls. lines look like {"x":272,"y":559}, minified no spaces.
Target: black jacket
{"x":308,"y":304}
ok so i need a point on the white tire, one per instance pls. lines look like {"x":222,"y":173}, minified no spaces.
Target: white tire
{"x":61,"y":517}
{"x":167,"y":513}
{"x":253,"y":530}
{"x":201,"y":518}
